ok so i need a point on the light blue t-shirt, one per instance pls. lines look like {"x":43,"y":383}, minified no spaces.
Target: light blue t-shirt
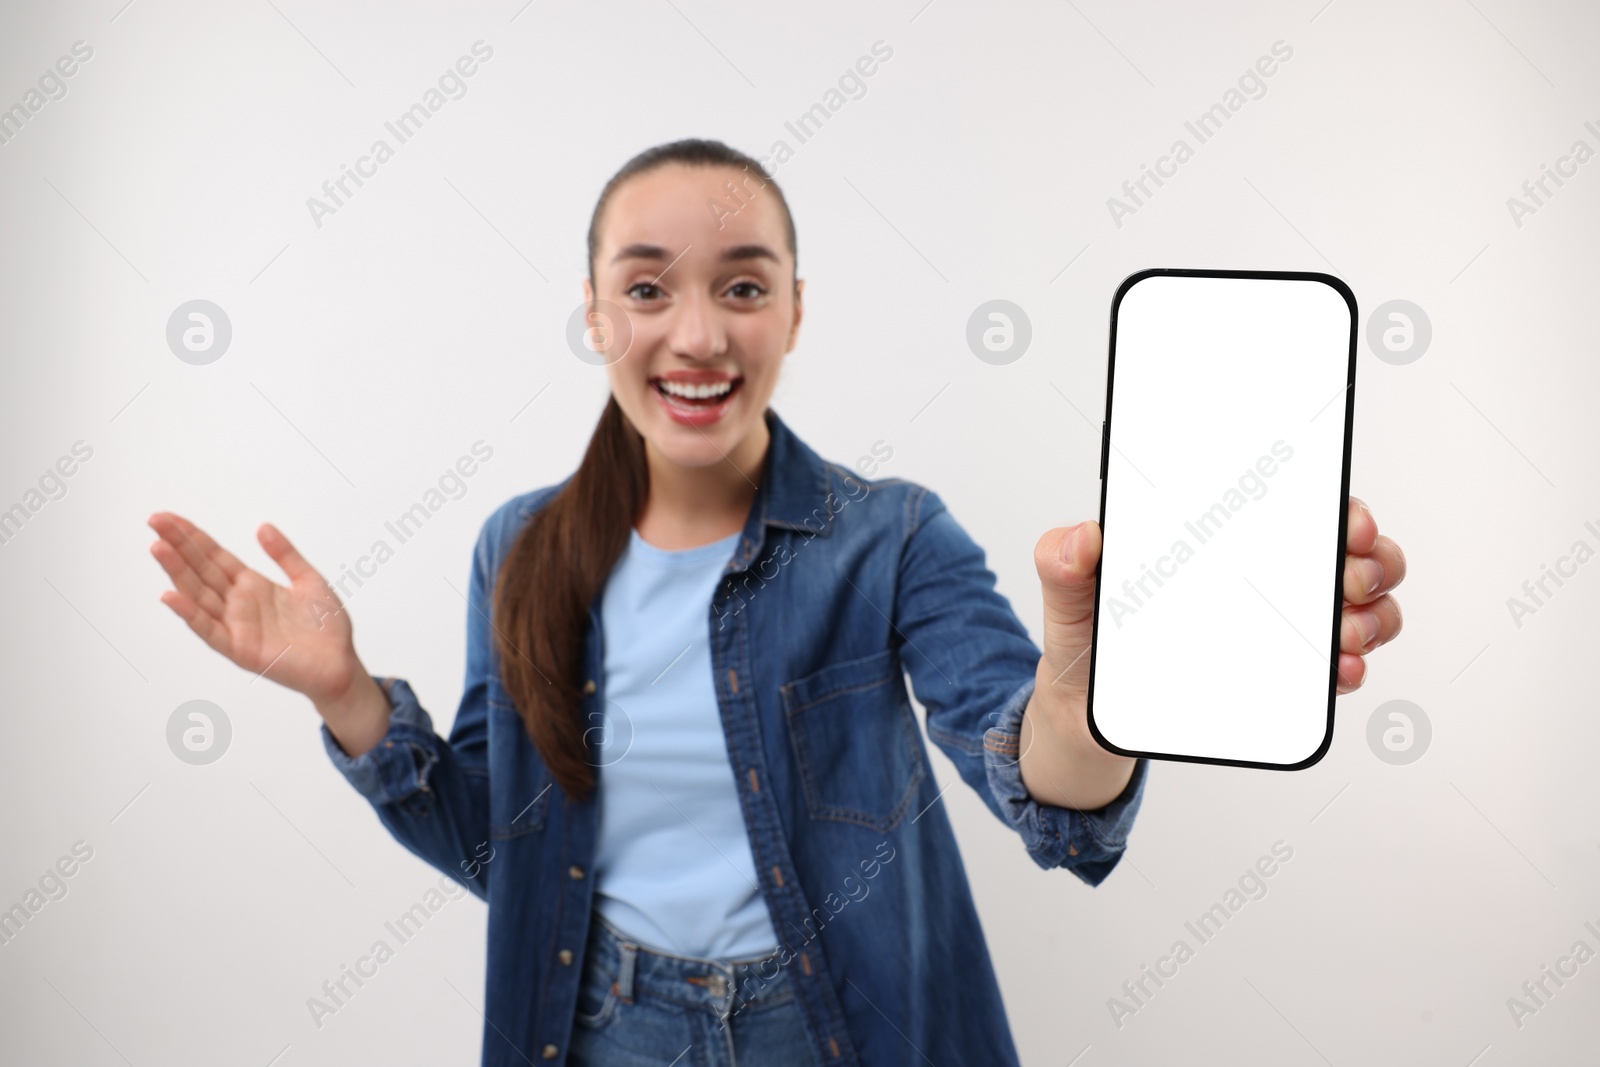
{"x":673,"y":867}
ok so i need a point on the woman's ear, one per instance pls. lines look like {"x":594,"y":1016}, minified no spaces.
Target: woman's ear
{"x":588,"y":292}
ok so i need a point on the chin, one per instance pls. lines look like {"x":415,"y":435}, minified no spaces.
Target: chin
{"x":683,"y":447}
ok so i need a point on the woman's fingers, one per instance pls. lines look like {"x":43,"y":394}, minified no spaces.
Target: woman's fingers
{"x":1369,"y":576}
{"x":1361,"y":528}
{"x":177,"y":533}
{"x":221,"y":558}
{"x":1373,"y":565}
{"x":1352,"y":672}
{"x":1363,"y":627}
{"x":185,"y":580}
{"x":173,"y":534}
{"x":285,"y":554}
{"x":225,"y":560}
{"x":211,"y":631}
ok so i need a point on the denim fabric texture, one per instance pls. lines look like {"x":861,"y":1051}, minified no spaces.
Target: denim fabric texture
{"x":840,"y":589}
{"x":642,"y":1008}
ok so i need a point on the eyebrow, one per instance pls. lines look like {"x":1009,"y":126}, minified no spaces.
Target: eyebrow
{"x":656,"y":252}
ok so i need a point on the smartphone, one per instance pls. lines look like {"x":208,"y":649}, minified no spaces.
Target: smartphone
{"x":1225,"y":474}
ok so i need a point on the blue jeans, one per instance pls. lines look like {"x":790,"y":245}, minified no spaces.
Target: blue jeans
{"x":638,"y":1007}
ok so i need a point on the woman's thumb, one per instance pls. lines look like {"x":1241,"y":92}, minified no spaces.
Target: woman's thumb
{"x":1069,"y":556}
{"x":284,"y":554}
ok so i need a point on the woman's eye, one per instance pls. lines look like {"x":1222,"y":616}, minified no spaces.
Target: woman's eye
{"x":750,"y":290}
{"x":653,"y":291}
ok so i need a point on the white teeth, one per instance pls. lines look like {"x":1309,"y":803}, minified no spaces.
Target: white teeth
{"x":695,"y":392}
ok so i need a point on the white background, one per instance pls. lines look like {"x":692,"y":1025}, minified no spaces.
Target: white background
{"x":370,"y":353}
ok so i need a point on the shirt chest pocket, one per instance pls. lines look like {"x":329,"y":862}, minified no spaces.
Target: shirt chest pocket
{"x":855,"y":741}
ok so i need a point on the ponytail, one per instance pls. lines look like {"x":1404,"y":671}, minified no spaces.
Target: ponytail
{"x":547,"y":583}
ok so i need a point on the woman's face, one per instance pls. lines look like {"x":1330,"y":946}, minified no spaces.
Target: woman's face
{"x":708,"y":290}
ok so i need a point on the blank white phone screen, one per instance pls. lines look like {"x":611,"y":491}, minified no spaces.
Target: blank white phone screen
{"x":1223,"y":514}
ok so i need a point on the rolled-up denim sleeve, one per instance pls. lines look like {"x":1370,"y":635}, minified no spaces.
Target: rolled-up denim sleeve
{"x":972,"y":665}
{"x":432,"y":793}
{"x":1087,"y":842}
{"x":397,"y":766}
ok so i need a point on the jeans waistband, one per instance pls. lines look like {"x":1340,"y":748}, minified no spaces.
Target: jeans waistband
{"x":720,"y":986}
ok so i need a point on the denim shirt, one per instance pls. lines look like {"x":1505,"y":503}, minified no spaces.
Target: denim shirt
{"x":838,"y":589}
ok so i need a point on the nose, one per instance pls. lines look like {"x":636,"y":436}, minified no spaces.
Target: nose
{"x":697,"y":331}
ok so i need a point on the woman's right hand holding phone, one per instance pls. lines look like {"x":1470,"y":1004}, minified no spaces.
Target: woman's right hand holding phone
{"x":297,"y":635}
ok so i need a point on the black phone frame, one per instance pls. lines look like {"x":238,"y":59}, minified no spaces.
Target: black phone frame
{"x":1339,"y":286}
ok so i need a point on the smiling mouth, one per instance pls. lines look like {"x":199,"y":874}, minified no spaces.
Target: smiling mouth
{"x":697,"y":397}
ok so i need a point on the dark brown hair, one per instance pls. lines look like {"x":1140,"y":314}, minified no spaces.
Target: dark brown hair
{"x":559,"y":562}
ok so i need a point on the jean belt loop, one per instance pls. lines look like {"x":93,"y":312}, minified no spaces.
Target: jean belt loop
{"x":630,"y":953}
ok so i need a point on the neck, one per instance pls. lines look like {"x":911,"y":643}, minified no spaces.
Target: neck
{"x":691,"y":506}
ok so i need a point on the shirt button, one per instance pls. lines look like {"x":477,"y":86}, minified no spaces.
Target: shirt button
{"x":575,"y":872}
{"x":565,"y":956}
{"x":588,"y":686}
{"x":549,"y":1052}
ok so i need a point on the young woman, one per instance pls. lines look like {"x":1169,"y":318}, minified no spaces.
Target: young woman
{"x":684,"y":771}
